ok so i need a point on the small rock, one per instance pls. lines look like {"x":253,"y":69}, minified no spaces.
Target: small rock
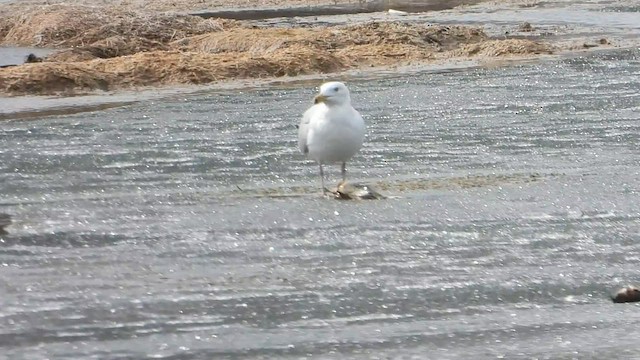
{"x":32,"y":58}
{"x":626,"y":294}
{"x":5,"y":220}
{"x":525,"y":27}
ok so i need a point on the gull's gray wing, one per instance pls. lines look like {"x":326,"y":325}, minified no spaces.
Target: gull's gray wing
{"x":303,"y":130}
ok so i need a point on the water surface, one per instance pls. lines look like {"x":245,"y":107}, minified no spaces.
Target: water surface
{"x":132,"y":240}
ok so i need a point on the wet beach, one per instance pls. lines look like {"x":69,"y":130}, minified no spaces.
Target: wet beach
{"x":186,"y":225}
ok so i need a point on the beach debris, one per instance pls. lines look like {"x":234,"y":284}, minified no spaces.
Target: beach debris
{"x":5,"y":220}
{"x":601,"y":41}
{"x":626,"y":294}
{"x":397,"y":12}
{"x":355,"y":191}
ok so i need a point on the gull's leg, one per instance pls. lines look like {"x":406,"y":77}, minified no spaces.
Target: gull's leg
{"x":344,"y":172}
{"x":324,"y":191}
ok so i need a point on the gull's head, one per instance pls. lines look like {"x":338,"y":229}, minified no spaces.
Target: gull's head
{"x":333,"y":93}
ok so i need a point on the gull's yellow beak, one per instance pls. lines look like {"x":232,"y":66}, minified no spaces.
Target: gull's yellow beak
{"x":319,"y":98}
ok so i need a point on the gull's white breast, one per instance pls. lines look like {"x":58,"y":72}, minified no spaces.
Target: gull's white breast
{"x":331,"y":133}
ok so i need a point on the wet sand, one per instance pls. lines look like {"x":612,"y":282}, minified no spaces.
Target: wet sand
{"x":129,"y":240}
{"x":396,"y":188}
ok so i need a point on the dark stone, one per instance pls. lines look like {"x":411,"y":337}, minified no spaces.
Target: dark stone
{"x":32,"y":58}
{"x":626,"y":294}
{"x":5,"y":220}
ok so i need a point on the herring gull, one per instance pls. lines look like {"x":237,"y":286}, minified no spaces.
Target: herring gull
{"x":331,"y":131}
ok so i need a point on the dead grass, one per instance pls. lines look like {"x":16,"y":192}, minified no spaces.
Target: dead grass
{"x":373,"y":43}
{"x":42,"y":78}
{"x":78,"y":26}
{"x":72,"y":55}
{"x":108,"y":48}
{"x":502,"y":48}
{"x":192,"y":5}
{"x":163,"y":68}
{"x":176,"y":67}
{"x":263,"y":40}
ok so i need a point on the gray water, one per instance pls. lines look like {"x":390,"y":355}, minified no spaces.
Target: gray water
{"x":17,"y":55}
{"x":157,"y":230}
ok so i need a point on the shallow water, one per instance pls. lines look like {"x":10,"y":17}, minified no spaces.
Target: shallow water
{"x":17,"y":55}
{"x":132,"y":240}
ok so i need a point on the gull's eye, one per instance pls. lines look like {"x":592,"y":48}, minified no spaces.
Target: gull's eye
{"x":336,"y":89}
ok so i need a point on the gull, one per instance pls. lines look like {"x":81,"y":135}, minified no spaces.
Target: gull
{"x":331,"y":131}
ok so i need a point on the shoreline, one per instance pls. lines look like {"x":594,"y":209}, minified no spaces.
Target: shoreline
{"x":334,"y":8}
{"x":36,"y":106}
